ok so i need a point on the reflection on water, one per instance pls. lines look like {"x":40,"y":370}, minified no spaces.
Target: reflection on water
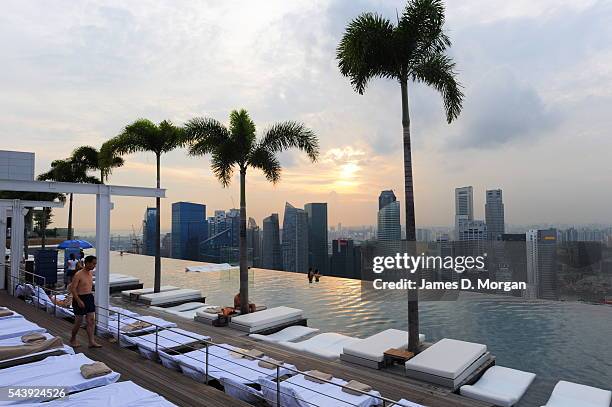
{"x":556,"y":340}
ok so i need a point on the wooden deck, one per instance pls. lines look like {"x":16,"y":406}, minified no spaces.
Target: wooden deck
{"x":183,"y":391}
{"x":172,"y":385}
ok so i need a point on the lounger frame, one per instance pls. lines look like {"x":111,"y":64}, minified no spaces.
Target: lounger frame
{"x":270,"y":328}
{"x":470,"y":375}
{"x":373,"y":364}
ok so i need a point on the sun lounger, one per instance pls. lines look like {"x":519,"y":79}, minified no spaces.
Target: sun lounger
{"x":210,"y":267}
{"x":186,"y":311}
{"x":289,"y":334}
{"x":118,"y":312}
{"x":222,"y":364}
{"x":267,"y":319}
{"x":241,"y":391}
{"x":8,"y":313}
{"x":33,"y":355}
{"x":57,"y":371}
{"x":149,"y":345}
{"x":134,"y":295}
{"x":499,"y":385}
{"x":128,"y":326}
{"x":448,"y":362}
{"x":370,"y":351}
{"x":328,"y":345}
{"x":568,"y":394}
{"x":406,"y":403}
{"x":17,"y":327}
{"x":171,"y":297}
{"x":297,"y":391}
{"x":120,"y":394}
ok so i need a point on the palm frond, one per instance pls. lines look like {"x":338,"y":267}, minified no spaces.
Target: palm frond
{"x":420,"y":29}
{"x":290,"y":134}
{"x":142,"y":135}
{"x":171,"y":136}
{"x":438,"y":71}
{"x":366,"y":51}
{"x":265,"y":160}
{"x":242,"y":130}
{"x":204,"y":134}
{"x":86,"y":156}
{"x":222,"y":167}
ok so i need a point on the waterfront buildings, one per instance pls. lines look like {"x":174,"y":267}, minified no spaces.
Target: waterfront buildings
{"x":464,"y":208}
{"x":148,"y":232}
{"x":388,"y":217}
{"x":295,"y":239}
{"x":541,"y":251}
{"x":271,"y":257}
{"x":494,"y":214}
{"x":318,"y":257}
{"x":345,"y":259}
{"x":189,"y":229}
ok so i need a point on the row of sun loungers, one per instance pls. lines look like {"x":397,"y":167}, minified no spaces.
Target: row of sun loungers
{"x":31,"y":357}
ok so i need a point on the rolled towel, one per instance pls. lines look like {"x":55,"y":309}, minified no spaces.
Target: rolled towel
{"x":269,"y":363}
{"x":96,"y":369}
{"x":31,"y":338}
{"x":234,"y":353}
{"x":213,"y":310}
{"x":253,"y":354}
{"x":6,"y":313}
{"x":135,"y":326}
{"x":317,"y":377}
{"x":354,"y":385}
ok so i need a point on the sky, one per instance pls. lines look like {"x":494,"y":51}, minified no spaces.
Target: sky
{"x":536,"y":121}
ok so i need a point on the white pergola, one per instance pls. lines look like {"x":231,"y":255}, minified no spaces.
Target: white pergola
{"x":16,"y":209}
{"x":104,"y":205}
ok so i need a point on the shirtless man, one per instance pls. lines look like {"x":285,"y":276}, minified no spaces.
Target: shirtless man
{"x":83,"y":302}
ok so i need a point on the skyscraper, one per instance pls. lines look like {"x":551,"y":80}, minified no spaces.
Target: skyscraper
{"x":148,"y":232}
{"x":345,"y":259}
{"x":464,"y":208}
{"x":494,"y":214}
{"x":189,"y":229}
{"x":318,"y":257}
{"x":295,"y":239}
{"x":385,"y":198}
{"x":389,"y":228}
{"x":542,"y":264}
{"x":253,"y":243}
{"x":271,"y":249}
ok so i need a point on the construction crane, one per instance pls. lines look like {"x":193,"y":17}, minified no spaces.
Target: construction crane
{"x":136,"y":240}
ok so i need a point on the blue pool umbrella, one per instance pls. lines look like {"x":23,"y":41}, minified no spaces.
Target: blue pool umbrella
{"x":75,"y":244}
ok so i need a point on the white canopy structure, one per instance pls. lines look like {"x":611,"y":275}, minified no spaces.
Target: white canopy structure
{"x":104,"y":205}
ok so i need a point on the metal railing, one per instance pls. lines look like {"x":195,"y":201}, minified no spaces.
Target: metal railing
{"x":281,"y":370}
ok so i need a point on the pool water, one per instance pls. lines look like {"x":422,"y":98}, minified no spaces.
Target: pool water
{"x":556,"y":340}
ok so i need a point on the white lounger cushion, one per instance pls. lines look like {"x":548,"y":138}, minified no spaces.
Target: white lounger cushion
{"x":406,"y":403}
{"x":447,"y":358}
{"x":268,"y":316}
{"x":61,"y":371}
{"x":168,"y":338}
{"x":568,"y":394}
{"x":156,"y":322}
{"x":120,"y":394}
{"x":16,"y":341}
{"x":171,"y":296}
{"x":327,"y":345}
{"x":188,"y":306}
{"x":140,"y":291}
{"x":374,"y":347}
{"x":499,"y":385}
{"x":289,"y":334}
{"x":17,"y":327}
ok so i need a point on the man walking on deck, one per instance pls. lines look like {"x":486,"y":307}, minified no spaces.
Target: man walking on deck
{"x":83,"y":302}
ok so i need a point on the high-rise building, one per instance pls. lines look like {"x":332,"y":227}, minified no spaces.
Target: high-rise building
{"x":189,"y":229}
{"x":494,"y":214}
{"x":271,"y":257}
{"x":542,"y":264}
{"x":318,"y":257}
{"x":385,"y":198}
{"x":472,"y":230}
{"x":345,"y":259}
{"x":389,"y":217}
{"x":148,"y":232}
{"x":253,"y":243}
{"x":464,"y":208}
{"x":295,"y":239}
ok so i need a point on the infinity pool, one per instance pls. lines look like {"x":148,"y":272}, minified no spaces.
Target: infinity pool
{"x":555,"y":340}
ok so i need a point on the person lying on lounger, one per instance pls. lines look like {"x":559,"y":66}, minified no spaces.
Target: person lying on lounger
{"x":252,"y":306}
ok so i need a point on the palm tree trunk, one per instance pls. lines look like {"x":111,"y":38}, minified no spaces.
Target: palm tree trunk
{"x":69,"y":235}
{"x":413,"y":295}
{"x":157,"y":284}
{"x":244,"y":270}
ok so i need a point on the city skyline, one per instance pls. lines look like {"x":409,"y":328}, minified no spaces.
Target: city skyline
{"x":530,"y":103}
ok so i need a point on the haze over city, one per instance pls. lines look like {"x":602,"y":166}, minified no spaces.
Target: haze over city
{"x":535,"y":121}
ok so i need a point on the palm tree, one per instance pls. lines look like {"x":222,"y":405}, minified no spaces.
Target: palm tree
{"x":69,"y":170}
{"x":144,"y":135}
{"x":237,"y":146}
{"x":413,"y":50}
{"x":103,"y":160}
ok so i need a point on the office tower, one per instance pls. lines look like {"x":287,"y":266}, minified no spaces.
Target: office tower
{"x":464,"y":208}
{"x":541,"y":248}
{"x":295,"y":239}
{"x":345,"y":259}
{"x":166,"y":245}
{"x":189,"y":229}
{"x":494,"y":214}
{"x":271,"y":257}
{"x":424,"y":235}
{"x":318,"y":257}
{"x":148,"y":232}
{"x":472,"y":230}
{"x":389,"y":220}
{"x":253,"y":243}
{"x":385,"y":198}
